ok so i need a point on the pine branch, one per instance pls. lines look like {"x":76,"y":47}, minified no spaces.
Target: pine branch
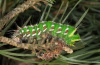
{"x":53,"y":48}
{"x":30,"y":46}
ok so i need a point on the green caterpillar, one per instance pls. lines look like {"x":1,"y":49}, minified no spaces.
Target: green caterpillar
{"x":65,"y":32}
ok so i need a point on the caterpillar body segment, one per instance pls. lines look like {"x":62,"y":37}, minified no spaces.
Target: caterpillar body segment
{"x":65,"y":32}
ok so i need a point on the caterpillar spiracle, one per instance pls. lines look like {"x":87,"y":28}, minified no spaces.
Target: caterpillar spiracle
{"x":62,"y":31}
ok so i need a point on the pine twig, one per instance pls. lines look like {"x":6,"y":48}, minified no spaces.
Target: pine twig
{"x":13,"y":43}
{"x":52,"y":49}
{"x":27,"y":45}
